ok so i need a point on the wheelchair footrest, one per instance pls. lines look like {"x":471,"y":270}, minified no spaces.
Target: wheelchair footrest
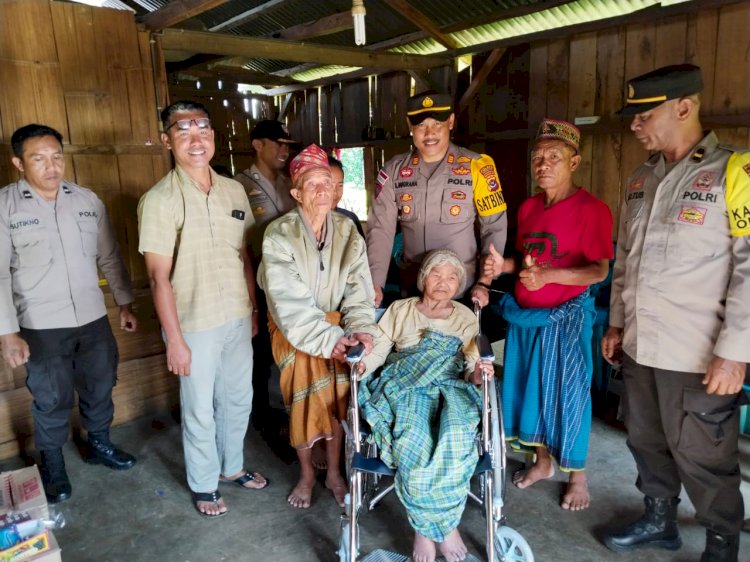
{"x":373,"y":466}
{"x":381,"y":555}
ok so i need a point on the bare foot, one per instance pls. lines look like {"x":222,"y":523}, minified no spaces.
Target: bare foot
{"x":576,"y":496}
{"x":338,"y":487}
{"x":540,"y":471}
{"x":424,"y":549}
{"x":212,"y":508}
{"x":453,"y":548}
{"x":319,"y":460}
{"x":301,"y":496}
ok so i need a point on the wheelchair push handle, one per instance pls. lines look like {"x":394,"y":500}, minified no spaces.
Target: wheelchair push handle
{"x":355,"y":354}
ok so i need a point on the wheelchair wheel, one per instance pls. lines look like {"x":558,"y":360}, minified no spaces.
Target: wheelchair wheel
{"x":510,"y":546}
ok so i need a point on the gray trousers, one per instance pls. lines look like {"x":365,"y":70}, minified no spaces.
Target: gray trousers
{"x":679,"y":435}
{"x":216,"y":401}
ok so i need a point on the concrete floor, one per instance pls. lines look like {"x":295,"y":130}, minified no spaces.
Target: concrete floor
{"x":145,"y":514}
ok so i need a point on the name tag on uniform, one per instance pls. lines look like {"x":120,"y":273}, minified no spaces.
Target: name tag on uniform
{"x":239,"y":215}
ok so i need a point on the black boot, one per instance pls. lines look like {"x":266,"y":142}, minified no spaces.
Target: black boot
{"x":721,"y":548}
{"x":657,"y":527}
{"x":55,"y":479}
{"x":100,"y":450}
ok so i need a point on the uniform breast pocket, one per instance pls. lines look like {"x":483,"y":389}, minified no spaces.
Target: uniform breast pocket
{"x":457,"y":206}
{"x":232,"y":231}
{"x":696,"y":230}
{"x":31,"y":247}
{"x":632,"y":220}
{"x":89,"y":237}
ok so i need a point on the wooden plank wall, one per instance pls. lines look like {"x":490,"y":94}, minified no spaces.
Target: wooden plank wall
{"x":585,"y":75}
{"x":88,"y":73}
{"x":229,"y":117}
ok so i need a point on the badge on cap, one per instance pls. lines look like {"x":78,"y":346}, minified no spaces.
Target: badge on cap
{"x":427,"y":102}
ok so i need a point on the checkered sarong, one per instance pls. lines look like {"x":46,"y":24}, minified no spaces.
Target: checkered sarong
{"x":424,"y":419}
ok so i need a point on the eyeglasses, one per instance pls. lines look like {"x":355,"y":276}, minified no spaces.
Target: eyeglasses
{"x":184,"y":124}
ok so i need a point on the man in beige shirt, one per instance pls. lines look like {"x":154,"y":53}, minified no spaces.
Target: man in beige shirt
{"x":193,"y":228}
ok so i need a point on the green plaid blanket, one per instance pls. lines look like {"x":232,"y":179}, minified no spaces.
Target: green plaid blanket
{"x":424,"y":419}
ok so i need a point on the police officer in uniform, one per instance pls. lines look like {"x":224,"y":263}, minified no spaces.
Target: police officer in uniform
{"x":436,"y":193}
{"x":54,"y":235}
{"x":679,"y":311}
{"x":268,"y":189}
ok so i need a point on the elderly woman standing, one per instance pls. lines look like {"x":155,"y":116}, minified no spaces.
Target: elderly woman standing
{"x":317,"y":281}
{"x":424,"y":409}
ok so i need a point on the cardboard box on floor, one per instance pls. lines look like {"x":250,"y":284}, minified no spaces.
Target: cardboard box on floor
{"x":22,"y":490}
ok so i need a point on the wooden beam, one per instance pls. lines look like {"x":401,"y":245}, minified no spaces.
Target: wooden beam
{"x":491,"y":62}
{"x":247,"y":15}
{"x":237,"y":74}
{"x":278,"y":49}
{"x":410,"y":13}
{"x":177,"y":11}
{"x":285,"y":106}
{"x":318,"y":28}
{"x":325,"y":81}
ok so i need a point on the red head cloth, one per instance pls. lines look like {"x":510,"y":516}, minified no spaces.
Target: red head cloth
{"x":310,"y":158}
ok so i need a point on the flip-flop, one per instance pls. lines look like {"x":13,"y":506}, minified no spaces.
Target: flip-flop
{"x":244,"y":479}
{"x":207,"y":497}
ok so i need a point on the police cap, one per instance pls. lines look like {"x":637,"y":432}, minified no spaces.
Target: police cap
{"x":271,"y":130}
{"x":428,"y":104}
{"x":667,"y":83}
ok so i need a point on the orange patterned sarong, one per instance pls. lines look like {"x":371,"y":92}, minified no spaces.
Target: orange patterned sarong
{"x":315,"y":389}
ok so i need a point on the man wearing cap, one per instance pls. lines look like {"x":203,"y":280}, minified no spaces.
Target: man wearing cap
{"x":679,"y":314}
{"x":268,"y":190}
{"x":193,"y":232}
{"x":267,"y":187}
{"x":436,"y":192}
{"x":564,"y":245}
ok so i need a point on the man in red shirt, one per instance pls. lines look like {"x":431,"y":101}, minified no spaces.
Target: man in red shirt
{"x":565,"y":243}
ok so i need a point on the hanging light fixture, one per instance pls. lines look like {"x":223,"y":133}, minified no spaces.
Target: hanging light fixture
{"x":359,"y":13}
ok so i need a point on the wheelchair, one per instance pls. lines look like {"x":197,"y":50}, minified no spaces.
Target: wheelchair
{"x":369,"y":476}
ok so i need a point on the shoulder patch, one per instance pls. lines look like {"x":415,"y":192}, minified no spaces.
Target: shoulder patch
{"x":738,"y":193}
{"x":488,"y":196}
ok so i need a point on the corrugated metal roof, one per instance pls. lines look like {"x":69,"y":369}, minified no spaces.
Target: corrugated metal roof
{"x":573,"y":13}
{"x":385,"y":26}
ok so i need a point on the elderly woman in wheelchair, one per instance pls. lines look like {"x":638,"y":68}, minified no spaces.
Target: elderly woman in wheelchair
{"x":424,"y":408}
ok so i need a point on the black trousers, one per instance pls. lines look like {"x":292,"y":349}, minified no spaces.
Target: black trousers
{"x":679,"y":435}
{"x":62,"y":360}
{"x":262,"y":365}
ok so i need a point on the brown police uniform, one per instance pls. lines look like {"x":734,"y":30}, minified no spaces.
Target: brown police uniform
{"x":268,"y":201}
{"x":681,"y":293}
{"x":435,"y":211}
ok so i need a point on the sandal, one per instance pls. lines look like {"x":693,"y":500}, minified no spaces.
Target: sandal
{"x":207,"y":497}
{"x":244,"y":479}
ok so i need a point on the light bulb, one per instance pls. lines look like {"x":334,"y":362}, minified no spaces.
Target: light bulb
{"x":358,"y":14}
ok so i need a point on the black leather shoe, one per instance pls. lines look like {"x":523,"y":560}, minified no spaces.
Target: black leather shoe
{"x":657,"y":527}
{"x":100,"y":450}
{"x":54,"y":477}
{"x":721,"y":548}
